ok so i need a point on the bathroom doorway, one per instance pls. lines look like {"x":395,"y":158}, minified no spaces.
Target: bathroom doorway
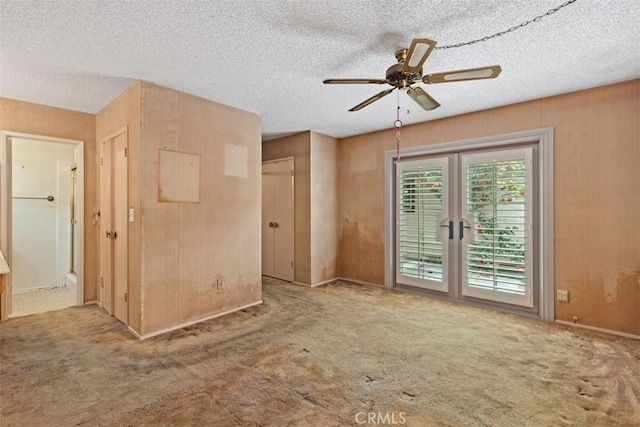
{"x":42,"y":211}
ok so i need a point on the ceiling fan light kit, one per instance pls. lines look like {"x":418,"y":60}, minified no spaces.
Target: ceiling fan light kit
{"x":408,"y":71}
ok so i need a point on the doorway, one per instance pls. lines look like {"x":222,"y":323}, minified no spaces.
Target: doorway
{"x":278,"y":219}
{"x":40,"y":198}
{"x":470,"y":221}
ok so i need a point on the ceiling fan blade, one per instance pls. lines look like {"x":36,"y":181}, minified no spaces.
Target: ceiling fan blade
{"x":418,"y":53}
{"x":461,"y":75}
{"x":354,"y":81}
{"x":372,"y":99}
{"x":422,"y":98}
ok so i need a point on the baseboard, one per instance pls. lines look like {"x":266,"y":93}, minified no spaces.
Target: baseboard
{"x":360,"y":282}
{"x":193,"y":322}
{"x":302,"y":284}
{"x":134,"y":332}
{"x":324,"y":282}
{"x":94,"y":302}
{"x":595,"y":328}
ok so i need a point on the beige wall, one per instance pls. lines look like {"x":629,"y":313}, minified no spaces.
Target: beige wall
{"x":325,"y":208}
{"x":35,"y":119}
{"x":187,"y":247}
{"x":597,"y":203}
{"x":297,"y":146}
{"x":125,"y":112}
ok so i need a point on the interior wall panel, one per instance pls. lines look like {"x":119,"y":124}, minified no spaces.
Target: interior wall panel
{"x":597,"y":143}
{"x":597,"y":204}
{"x":188,"y":247}
{"x":36,"y":119}
{"x":325,"y":208}
{"x":125,"y":111}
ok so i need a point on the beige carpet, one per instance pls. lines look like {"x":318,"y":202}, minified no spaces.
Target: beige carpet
{"x":341,"y":354}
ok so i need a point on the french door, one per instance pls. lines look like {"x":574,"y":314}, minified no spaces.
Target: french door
{"x":464,"y":225}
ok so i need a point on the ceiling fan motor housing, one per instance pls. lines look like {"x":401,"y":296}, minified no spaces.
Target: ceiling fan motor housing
{"x":401,"y":79}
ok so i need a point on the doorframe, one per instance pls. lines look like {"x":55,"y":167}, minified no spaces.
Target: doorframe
{"x":293,"y":205}
{"x":6,"y":243}
{"x":543,"y":138}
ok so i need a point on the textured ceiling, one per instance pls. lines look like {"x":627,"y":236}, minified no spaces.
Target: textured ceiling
{"x":271,"y":56}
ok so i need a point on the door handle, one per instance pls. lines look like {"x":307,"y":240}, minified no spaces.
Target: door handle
{"x":270,"y":225}
{"x":275,"y":225}
{"x":462,"y":227}
{"x":108,"y":234}
{"x":115,"y":234}
{"x":450,"y":227}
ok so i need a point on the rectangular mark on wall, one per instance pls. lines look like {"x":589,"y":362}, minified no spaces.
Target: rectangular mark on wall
{"x":236,"y":160}
{"x":178,"y":176}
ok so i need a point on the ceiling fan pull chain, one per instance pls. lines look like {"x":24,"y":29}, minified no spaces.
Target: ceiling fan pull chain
{"x":398,"y":124}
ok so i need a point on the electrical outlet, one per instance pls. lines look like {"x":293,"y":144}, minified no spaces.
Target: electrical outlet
{"x":219,"y":284}
{"x":562,"y":295}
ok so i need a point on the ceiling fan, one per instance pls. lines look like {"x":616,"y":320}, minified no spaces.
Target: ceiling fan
{"x":408,"y":71}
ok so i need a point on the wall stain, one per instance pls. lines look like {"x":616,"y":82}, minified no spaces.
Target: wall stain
{"x":592,"y":301}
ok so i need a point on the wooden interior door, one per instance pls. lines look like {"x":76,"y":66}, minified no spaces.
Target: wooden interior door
{"x":278,"y":219}
{"x":113,"y":226}
{"x":268,"y":201}
{"x":120,"y":225}
{"x":106,"y":249}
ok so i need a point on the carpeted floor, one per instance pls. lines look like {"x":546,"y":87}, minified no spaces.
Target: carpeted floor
{"x":341,"y":354}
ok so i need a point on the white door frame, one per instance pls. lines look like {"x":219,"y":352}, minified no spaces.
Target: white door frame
{"x":543,"y":137}
{"x":6,"y":243}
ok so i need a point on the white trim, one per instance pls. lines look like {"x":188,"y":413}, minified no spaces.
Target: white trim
{"x":595,"y":328}
{"x":193,"y":322}
{"x":5,"y":209}
{"x":543,"y":137}
{"x":308,"y":285}
{"x":360,"y":282}
{"x":324,"y":282}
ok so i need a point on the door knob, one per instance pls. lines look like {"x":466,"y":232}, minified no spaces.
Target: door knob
{"x":271,"y":225}
{"x":108,"y":234}
{"x":462,"y":227}
{"x":275,"y":225}
{"x":450,"y":227}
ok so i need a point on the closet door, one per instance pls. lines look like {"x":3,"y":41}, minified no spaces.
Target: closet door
{"x":120,"y":226}
{"x":277,"y":219}
{"x":114,"y":226}
{"x":106,"y":244}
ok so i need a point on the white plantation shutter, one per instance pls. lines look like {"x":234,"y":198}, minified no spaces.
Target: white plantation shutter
{"x":497,"y":200}
{"x":421,"y":206}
